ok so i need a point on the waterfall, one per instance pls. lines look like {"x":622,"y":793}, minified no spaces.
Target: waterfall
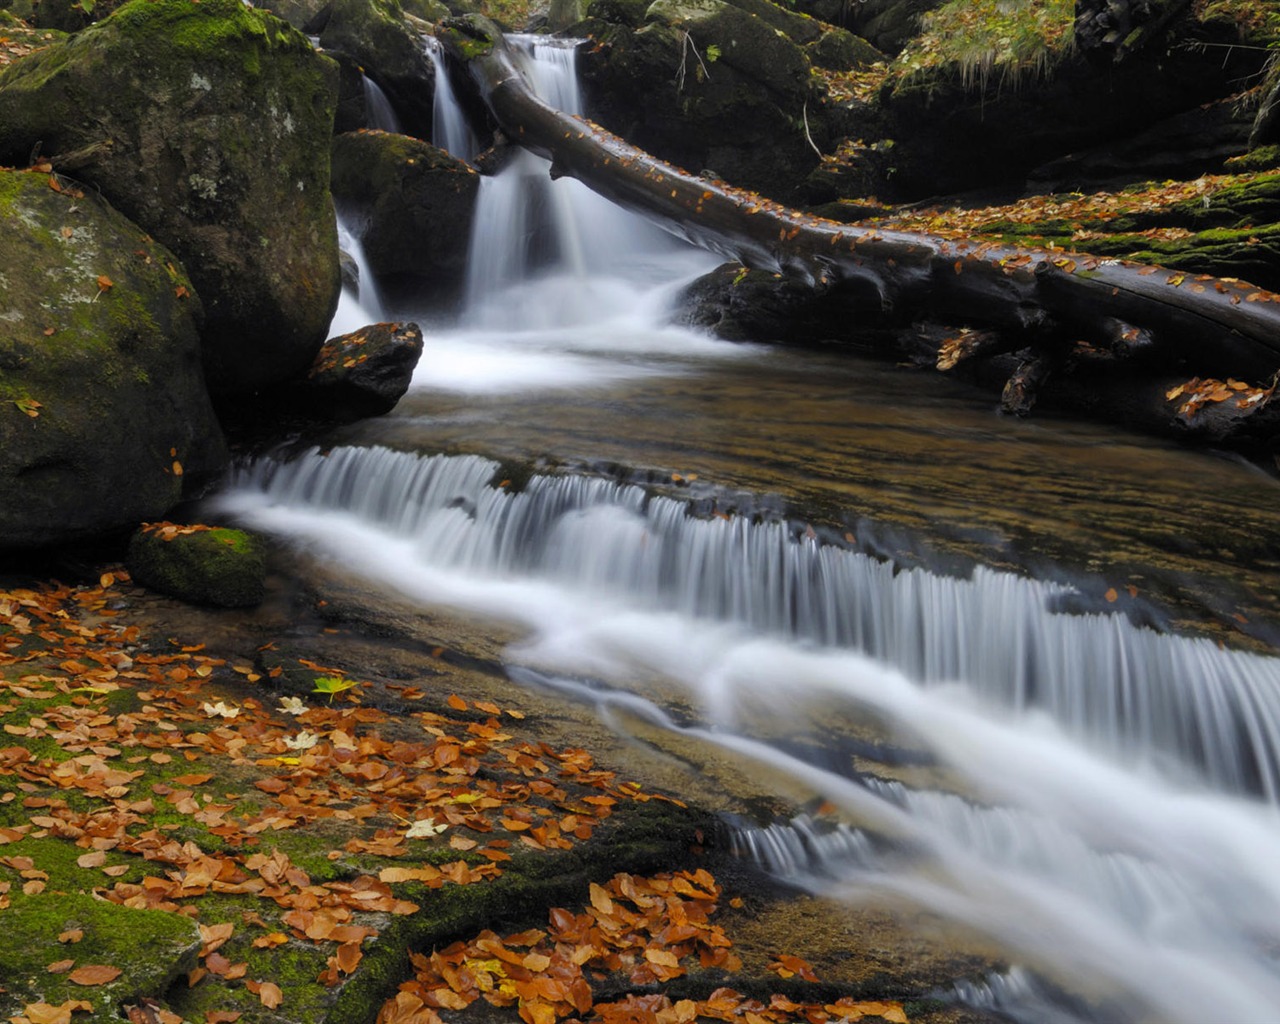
{"x":378,"y":110}
{"x":449,"y":127}
{"x":1123,"y":688}
{"x":1100,"y":798}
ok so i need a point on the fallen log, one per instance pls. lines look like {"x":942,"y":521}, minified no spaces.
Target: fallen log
{"x":1034,"y":298}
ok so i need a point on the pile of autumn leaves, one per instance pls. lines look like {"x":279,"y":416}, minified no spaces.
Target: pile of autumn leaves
{"x":637,"y":932}
{"x":465,"y":782}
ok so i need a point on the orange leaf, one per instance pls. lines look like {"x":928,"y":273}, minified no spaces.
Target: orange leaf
{"x":94,"y":974}
{"x":456,"y":702}
{"x":60,"y":966}
{"x":1111,"y":595}
{"x":104,"y":283}
{"x":268,"y":992}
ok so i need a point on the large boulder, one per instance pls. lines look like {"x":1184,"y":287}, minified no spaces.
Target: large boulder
{"x":103,"y":409}
{"x":414,"y":204}
{"x":208,"y":124}
{"x":376,"y":35}
{"x":708,"y":84}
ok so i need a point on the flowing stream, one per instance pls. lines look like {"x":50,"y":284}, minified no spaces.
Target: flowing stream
{"x":1065,"y":634}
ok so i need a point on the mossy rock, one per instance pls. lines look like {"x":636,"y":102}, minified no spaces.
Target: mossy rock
{"x":417,"y":203}
{"x":375,"y":34}
{"x":103,"y":408}
{"x":221,"y":567}
{"x":208,"y":124}
{"x":70,"y":15}
{"x":152,"y":948}
{"x":839,"y":50}
{"x":708,"y":86}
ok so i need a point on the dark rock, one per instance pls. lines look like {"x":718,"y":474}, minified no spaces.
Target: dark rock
{"x":1195,"y":142}
{"x":886,"y":24}
{"x":375,"y":34}
{"x":70,"y":15}
{"x":361,"y":374}
{"x":838,"y":50}
{"x":416,"y":203}
{"x":209,"y":126}
{"x":199,"y":564}
{"x":104,"y":413}
{"x":708,"y":84}
{"x":951,"y":136}
{"x":301,"y":14}
{"x":736,"y":304}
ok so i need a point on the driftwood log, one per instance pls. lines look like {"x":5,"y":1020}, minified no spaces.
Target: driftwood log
{"x":1035,"y":301}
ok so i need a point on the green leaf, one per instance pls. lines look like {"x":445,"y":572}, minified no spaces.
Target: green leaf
{"x":333,"y":685}
{"x":713,"y":53}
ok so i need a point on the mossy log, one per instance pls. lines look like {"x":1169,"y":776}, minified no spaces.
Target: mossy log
{"x":1039,"y":299}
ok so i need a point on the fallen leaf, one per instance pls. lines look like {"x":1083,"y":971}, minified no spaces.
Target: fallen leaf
{"x":95,"y":974}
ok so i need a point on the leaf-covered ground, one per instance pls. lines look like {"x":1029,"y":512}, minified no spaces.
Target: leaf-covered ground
{"x":191,"y":836}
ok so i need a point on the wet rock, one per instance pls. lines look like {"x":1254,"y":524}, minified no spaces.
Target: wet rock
{"x":375,"y":34}
{"x":416,"y":204}
{"x":203,"y":565}
{"x":208,"y":125}
{"x":838,"y":50}
{"x":103,"y":408}
{"x":740,"y":305}
{"x":364,"y":373}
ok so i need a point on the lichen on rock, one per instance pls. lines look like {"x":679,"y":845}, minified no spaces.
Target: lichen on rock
{"x":207,"y":124}
{"x":103,"y":409}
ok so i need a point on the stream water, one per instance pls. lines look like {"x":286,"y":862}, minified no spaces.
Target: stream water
{"x":1063,"y":631}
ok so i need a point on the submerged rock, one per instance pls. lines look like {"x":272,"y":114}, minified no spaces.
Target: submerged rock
{"x":416,"y":203}
{"x":200,"y":564}
{"x":208,"y":124}
{"x":103,"y":409}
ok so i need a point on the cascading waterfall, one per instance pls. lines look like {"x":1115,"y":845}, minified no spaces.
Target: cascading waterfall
{"x":557,"y":277}
{"x":1105,"y":798}
{"x":1093,"y":849}
{"x":360,"y":306}
{"x":1119,"y":687}
{"x":450,"y":129}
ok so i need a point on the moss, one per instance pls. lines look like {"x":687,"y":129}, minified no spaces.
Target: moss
{"x":152,"y":947}
{"x":220,"y":567}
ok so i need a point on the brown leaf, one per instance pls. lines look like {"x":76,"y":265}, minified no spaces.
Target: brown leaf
{"x":71,"y":935}
{"x":105,"y":283}
{"x":268,"y":992}
{"x":94,"y":974}
{"x":60,"y":966}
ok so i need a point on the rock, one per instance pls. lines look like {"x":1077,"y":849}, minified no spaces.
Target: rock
{"x":951,"y":135}
{"x":740,"y":305}
{"x":361,"y":374}
{"x":838,"y":50}
{"x":104,"y":414}
{"x":298,"y":13}
{"x":416,"y":203}
{"x":375,"y":35}
{"x":885,"y":24}
{"x":200,"y":564}
{"x":208,"y":125}
{"x":707,"y":84}
{"x":70,"y":15}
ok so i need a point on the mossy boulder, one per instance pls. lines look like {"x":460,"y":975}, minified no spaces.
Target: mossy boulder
{"x":415,"y":203}
{"x":104,"y":412}
{"x":375,"y":34}
{"x":203,"y":565}
{"x":708,"y":85}
{"x":151,"y":947}
{"x":208,"y":124}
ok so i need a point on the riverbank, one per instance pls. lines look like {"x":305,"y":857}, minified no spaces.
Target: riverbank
{"x":191,"y":831}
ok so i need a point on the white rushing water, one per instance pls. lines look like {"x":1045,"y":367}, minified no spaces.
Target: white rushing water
{"x":1101,"y":835}
{"x":1111,"y":808}
{"x":563,"y":288}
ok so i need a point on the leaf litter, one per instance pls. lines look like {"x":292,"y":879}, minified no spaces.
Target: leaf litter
{"x":115,"y":735}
